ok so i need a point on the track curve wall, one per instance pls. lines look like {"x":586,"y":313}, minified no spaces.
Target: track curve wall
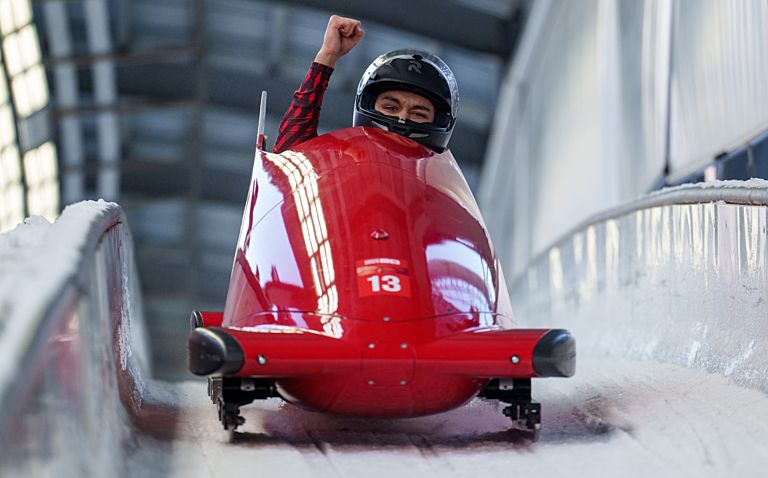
{"x":679,"y":276}
{"x":72,"y":348}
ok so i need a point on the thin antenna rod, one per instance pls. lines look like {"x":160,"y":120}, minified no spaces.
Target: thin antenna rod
{"x":261,"y":140}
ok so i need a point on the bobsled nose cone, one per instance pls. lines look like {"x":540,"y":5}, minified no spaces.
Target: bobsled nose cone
{"x":555,"y":354}
{"x":212,"y":350}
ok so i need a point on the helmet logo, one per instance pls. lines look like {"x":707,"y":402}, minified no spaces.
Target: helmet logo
{"x":414,"y":66}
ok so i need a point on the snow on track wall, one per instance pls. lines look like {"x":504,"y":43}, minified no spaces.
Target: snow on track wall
{"x":71,"y":345}
{"x":680,"y":276}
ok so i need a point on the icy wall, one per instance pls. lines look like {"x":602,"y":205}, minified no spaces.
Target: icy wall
{"x":71,"y":345}
{"x":680,"y":276}
{"x":607,"y":100}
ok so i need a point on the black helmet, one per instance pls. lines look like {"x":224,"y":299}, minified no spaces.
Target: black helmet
{"x":419,"y":72}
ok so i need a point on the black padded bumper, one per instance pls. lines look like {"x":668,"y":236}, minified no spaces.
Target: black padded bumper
{"x":211,"y":350}
{"x":555,"y":354}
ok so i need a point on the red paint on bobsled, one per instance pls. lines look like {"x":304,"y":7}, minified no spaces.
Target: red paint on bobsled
{"x":365,"y":283}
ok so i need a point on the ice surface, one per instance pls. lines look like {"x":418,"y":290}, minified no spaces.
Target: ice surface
{"x":614,"y":418}
{"x":754,"y":183}
{"x":37,"y":259}
{"x":17,"y":250}
{"x":37,"y":255}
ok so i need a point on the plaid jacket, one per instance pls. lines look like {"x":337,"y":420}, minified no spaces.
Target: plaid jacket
{"x":300,"y":121}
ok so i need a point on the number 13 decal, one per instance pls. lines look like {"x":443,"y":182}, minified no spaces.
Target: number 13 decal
{"x":378,"y":277}
{"x":386,"y":283}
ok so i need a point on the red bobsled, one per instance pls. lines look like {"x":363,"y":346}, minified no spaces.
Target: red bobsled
{"x":364,"y":283}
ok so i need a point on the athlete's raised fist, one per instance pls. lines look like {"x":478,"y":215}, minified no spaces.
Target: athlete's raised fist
{"x":341,"y":36}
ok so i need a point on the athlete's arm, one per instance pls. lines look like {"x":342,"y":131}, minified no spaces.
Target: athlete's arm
{"x":300,"y":121}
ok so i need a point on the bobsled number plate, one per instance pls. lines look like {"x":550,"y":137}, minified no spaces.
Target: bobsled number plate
{"x":383,"y":276}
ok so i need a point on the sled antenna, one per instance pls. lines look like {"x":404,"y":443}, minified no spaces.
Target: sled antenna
{"x":261,"y":140}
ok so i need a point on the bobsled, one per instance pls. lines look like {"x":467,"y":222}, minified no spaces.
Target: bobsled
{"x":364,"y":283}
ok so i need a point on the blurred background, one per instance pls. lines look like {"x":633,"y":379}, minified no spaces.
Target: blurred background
{"x":567,"y":108}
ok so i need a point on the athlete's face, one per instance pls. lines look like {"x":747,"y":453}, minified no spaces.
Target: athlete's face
{"x":405,"y":105}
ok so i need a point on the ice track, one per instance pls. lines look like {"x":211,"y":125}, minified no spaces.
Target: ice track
{"x":667,"y":299}
{"x":612,"y":419}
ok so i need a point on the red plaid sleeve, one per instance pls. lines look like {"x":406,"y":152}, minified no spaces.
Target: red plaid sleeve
{"x":300,"y":121}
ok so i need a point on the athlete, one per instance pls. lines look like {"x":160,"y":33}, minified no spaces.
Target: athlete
{"x":410,"y":92}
